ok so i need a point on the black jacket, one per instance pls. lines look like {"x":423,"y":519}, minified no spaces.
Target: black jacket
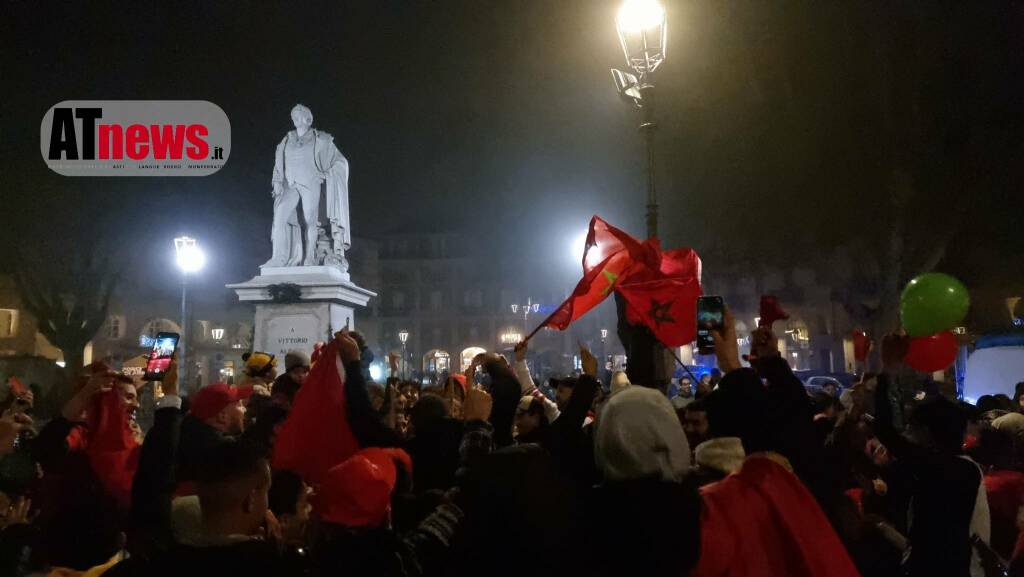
{"x":664,"y":528}
{"x":435,"y":454}
{"x":367,"y":426}
{"x":944,"y":489}
{"x":149,"y":530}
{"x":197,"y":438}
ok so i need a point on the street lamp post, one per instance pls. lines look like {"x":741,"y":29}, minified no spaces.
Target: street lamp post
{"x":190,"y":259}
{"x":529,"y":308}
{"x":403,"y":336}
{"x":642,"y":32}
{"x":604,"y":351}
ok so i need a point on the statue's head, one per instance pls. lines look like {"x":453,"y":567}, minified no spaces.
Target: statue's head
{"x":302,"y":116}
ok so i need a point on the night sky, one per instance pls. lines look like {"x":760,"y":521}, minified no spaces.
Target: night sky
{"x":780,"y":124}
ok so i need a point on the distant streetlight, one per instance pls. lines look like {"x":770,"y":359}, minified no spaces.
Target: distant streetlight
{"x":511,"y":337}
{"x":403,"y":335}
{"x":529,"y":308}
{"x":190,"y":259}
{"x":217,"y":334}
{"x":642,"y":32}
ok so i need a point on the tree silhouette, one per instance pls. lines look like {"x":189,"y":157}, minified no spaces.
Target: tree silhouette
{"x":68,"y":292}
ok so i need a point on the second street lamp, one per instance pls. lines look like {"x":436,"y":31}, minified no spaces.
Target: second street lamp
{"x":529,"y":308}
{"x":404,"y":337}
{"x":190,"y":259}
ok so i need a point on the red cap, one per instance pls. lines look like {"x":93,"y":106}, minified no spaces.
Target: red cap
{"x":461,"y":379}
{"x":357,"y":493}
{"x":211,"y":399}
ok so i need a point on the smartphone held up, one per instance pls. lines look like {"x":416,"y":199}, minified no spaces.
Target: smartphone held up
{"x":710,"y":317}
{"x":160,"y":356}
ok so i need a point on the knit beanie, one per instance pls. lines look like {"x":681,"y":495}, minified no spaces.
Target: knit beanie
{"x":294,"y":359}
{"x":639,"y":436}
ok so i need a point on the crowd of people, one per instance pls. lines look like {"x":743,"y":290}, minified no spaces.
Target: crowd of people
{"x":320,"y":472}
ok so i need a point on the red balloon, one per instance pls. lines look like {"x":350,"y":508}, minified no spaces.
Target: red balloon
{"x":932,"y":353}
{"x":861,"y":346}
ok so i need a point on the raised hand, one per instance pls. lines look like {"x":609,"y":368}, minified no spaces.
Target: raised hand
{"x":726,"y":348}
{"x":18,"y":514}
{"x":763,"y":343}
{"x":521,"y":351}
{"x":11,"y":424}
{"x":348,"y":349}
{"x":477,"y":406}
{"x":589,"y":362}
{"x":99,"y":382}
{"x":169,"y":385}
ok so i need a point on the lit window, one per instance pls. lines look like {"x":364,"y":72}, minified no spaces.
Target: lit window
{"x":115,"y":327}
{"x":8,"y":323}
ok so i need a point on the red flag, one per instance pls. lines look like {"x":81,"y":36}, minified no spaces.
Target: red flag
{"x":111,"y":447}
{"x":861,"y":346}
{"x":771,"y":311}
{"x":18,"y":388}
{"x":665,"y":299}
{"x":661,"y":288}
{"x":316,"y":435}
{"x":793,"y":536}
{"x":609,"y":255}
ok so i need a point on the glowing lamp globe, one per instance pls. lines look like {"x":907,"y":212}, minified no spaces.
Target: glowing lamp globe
{"x":190,"y":257}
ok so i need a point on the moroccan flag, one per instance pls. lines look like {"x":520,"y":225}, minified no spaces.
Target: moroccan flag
{"x":607,"y":259}
{"x":316,"y":435}
{"x":665,"y":298}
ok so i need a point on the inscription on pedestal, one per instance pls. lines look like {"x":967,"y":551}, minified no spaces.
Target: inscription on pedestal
{"x":292,"y":332}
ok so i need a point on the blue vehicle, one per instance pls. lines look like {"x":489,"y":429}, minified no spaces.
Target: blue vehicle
{"x":815,"y":380}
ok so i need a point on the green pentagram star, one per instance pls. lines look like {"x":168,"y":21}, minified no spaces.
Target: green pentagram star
{"x":611,"y":277}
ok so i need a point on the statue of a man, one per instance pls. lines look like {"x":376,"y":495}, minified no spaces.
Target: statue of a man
{"x":305,"y":159}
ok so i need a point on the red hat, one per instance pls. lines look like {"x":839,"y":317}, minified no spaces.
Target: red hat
{"x":461,"y":379}
{"x":357,"y":493}
{"x":211,"y":399}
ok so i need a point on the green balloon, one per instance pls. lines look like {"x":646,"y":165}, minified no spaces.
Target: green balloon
{"x":932,"y":303}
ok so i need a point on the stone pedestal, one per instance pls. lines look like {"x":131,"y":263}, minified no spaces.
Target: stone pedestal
{"x":326,"y":304}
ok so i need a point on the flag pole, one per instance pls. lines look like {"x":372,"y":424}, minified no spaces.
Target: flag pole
{"x":539,"y":327}
{"x":685,"y":368}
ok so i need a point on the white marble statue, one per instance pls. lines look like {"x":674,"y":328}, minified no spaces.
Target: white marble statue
{"x":305,"y":159}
